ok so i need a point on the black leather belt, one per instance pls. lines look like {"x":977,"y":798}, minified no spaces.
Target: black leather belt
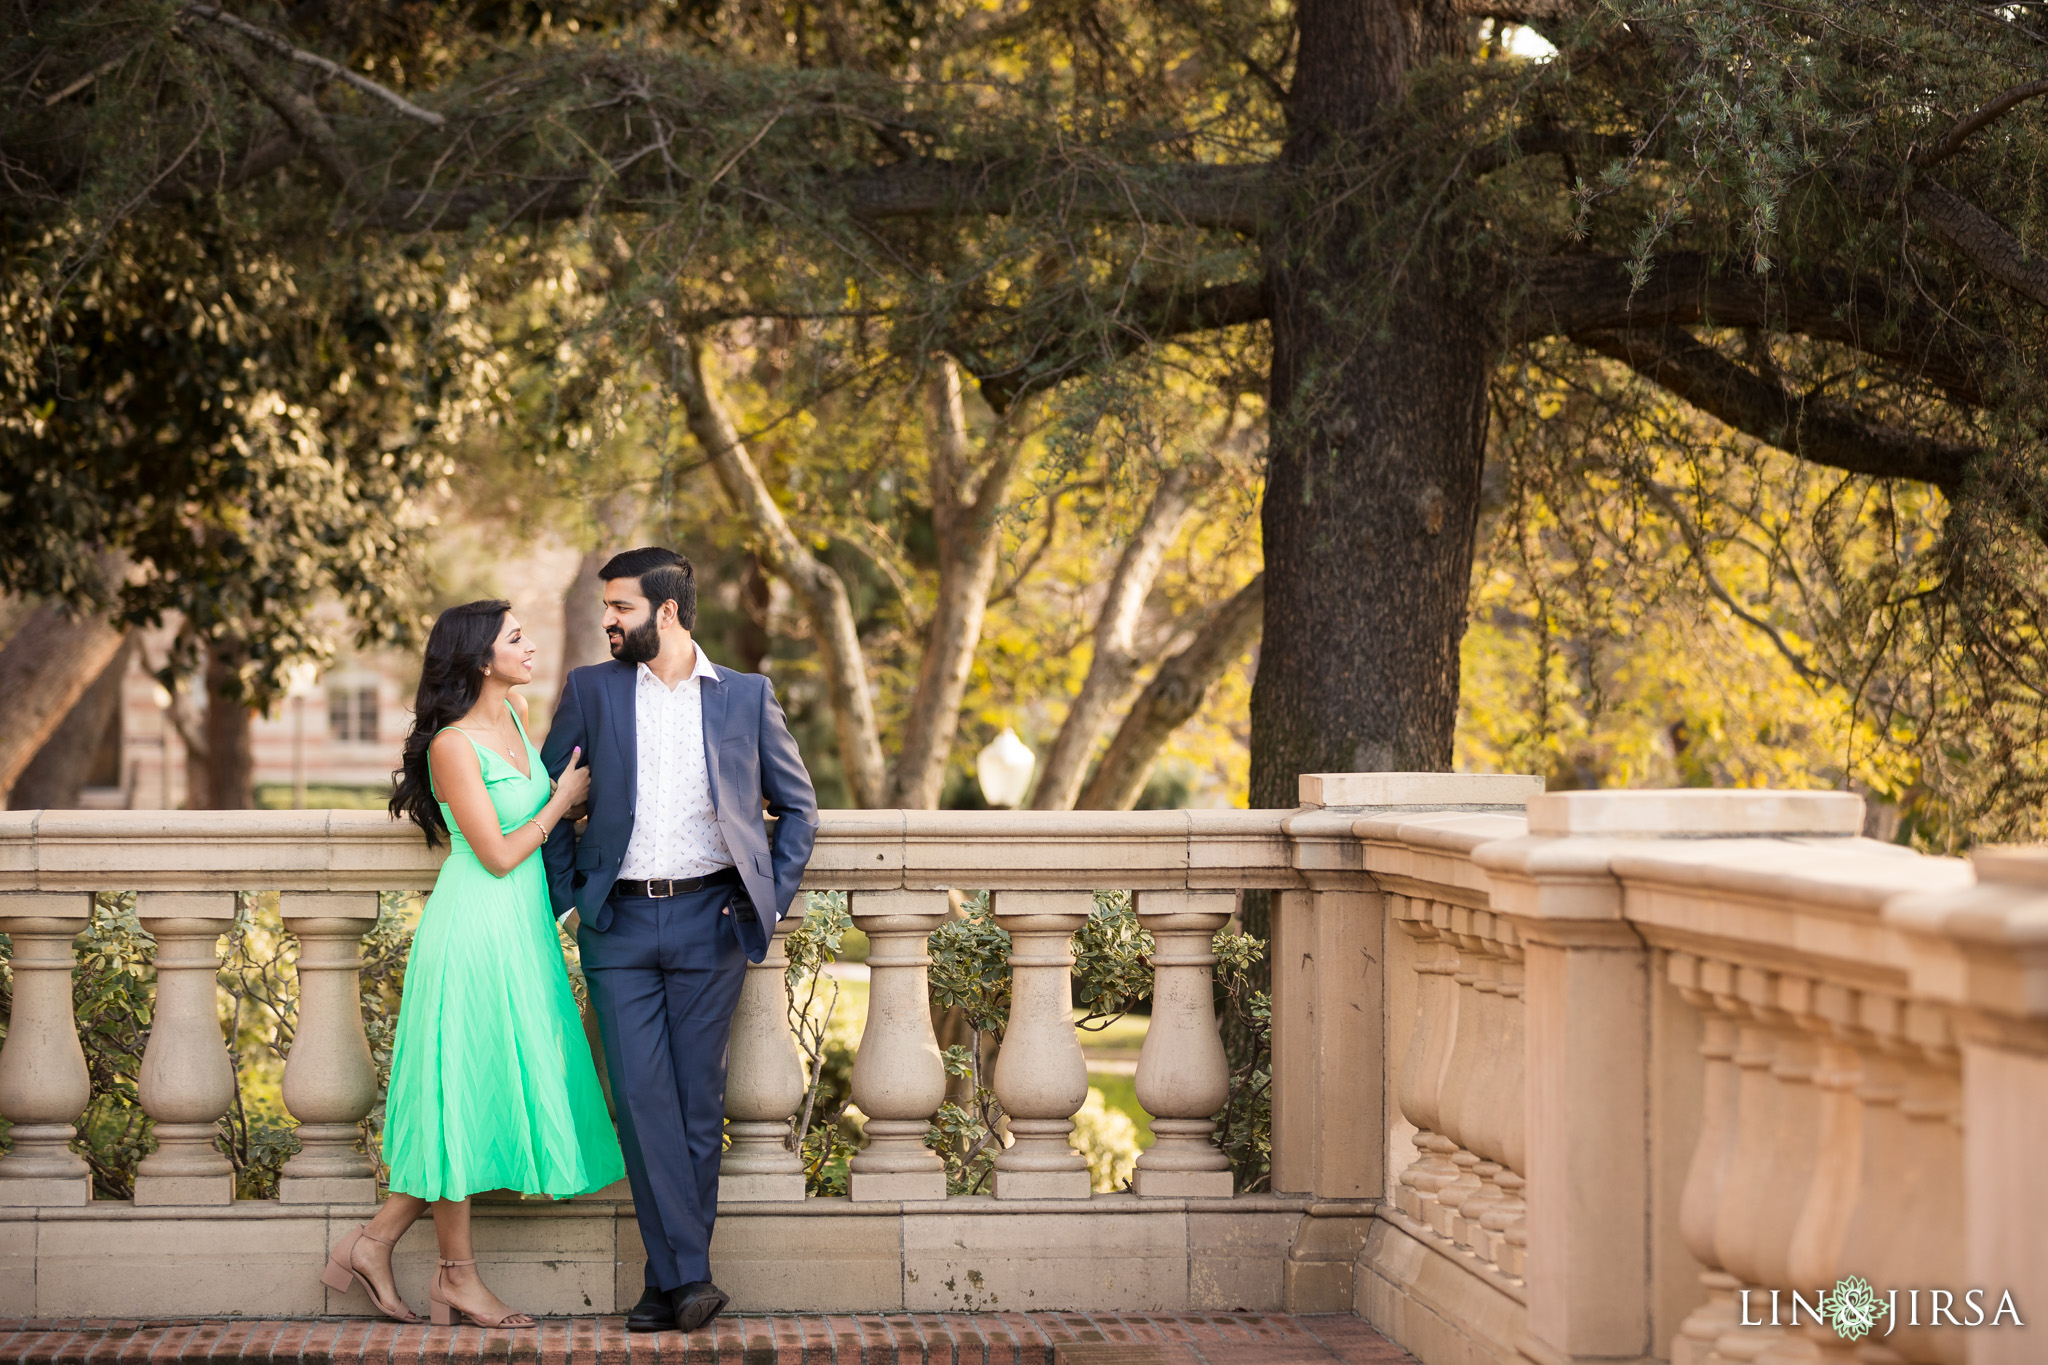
{"x":660,"y":888}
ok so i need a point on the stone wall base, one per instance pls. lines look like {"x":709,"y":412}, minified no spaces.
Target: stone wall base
{"x":1110,"y":1253}
{"x":1434,"y":1302}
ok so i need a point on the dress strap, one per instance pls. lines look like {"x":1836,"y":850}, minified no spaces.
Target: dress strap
{"x":470,"y":737}
{"x":518,"y":722}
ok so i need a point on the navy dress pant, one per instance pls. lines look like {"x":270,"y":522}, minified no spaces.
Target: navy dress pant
{"x":664,"y":981}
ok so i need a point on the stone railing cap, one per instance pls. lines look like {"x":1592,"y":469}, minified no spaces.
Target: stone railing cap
{"x":2011,"y":866}
{"x":1417,"y":789}
{"x":1690,"y":813}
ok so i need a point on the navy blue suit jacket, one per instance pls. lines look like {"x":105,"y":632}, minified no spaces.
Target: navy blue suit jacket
{"x":752,"y":761}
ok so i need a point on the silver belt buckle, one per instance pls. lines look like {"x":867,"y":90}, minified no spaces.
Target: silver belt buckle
{"x":668,"y":882}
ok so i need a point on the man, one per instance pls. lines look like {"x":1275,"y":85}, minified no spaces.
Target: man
{"x":677,"y":885}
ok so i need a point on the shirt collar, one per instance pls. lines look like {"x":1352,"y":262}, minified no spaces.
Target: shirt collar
{"x":703,"y":669}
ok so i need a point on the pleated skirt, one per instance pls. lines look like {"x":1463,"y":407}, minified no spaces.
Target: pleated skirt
{"x":492,"y":1082}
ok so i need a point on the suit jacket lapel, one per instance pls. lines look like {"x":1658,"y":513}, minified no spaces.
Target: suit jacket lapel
{"x":712,"y":690}
{"x":623,"y":717}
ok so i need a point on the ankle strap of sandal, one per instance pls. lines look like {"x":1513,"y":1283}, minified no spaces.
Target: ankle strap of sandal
{"x":470,"y":1261}
{"x":369,"y":1236}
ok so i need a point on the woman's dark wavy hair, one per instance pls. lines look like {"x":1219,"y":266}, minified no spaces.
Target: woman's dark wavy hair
{"x":451,"y":679}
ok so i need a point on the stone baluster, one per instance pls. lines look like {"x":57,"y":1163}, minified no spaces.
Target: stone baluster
{"x":1455,"y":1097}
{"x":1738,"y":1214}
{"x":1927,"y":1253}
{"x":1041,"y":1078}
{"x":1483,"y":1109}
{"x":1183,"y":1075}
{"x":43,"y":1081}
{"x":330,"y":1082}
{"x":1704,"y":986}
{"x":1429,"y":1048}
{"x":187,"y":1081}
{"x":1814,"y":1258}
{"x":1777,"y":1145}
{"x":1507,"y":1233}
{"x":899,"y":1077}
{"x":764,"y":1084}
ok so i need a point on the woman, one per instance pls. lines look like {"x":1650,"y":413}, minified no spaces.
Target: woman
{"x":492,"y":1084}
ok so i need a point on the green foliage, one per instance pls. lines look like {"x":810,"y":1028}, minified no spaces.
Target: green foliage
{"x":223,"y":418}
{"x":383,"y":985}
{"x":259,"y":984}
{"x":970,"y":966}
{"x":970,"y":971}
{"x":1244,"y":1130}
{"x":113,"y":995}
{"x":1112,"y":961}
{"x":822,"y":1134}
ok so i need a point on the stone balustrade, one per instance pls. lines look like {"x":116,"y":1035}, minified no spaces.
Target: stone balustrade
{"x":1555,"y":1077}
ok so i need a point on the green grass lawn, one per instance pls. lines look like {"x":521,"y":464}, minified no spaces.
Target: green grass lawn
{"x":1121,"y":1092}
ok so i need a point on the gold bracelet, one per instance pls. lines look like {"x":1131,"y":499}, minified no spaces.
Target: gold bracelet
{"x":544,"y":830}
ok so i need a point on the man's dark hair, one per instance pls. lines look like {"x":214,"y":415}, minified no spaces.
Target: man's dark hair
{"x":664,"y":575}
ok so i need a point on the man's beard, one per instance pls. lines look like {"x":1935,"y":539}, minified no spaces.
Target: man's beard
{"x":638,"y":645}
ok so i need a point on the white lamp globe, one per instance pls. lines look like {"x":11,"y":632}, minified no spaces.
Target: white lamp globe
{"x":1004,"y":768}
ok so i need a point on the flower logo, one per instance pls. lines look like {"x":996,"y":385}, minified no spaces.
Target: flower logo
{"x":1853,"y":1308}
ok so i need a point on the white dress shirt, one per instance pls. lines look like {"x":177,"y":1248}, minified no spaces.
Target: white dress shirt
{"x":675,"y":829}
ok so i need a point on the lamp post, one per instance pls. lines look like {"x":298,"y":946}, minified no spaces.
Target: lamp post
{"x":1004,"y":769}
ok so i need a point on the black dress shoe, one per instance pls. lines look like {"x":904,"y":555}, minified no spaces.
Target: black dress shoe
{"x":696,"y":1303}
{"x":652,"y":1313}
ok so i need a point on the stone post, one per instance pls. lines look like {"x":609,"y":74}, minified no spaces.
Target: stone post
{"x":330,"y":1082}
{"x":899,"y":1078}
{"x":1183,"y":1075}
{"x":764,"y":1085}
{"x":187,"y":1081}
{"x":1984,"y":950}
{"x":43,"y":1082}
{"x":1587,"y":988}
{"x":1041,"y":1076}
{"x":1329,"y":1012}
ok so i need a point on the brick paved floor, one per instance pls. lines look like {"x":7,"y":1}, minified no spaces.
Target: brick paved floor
{"x":897,"y":1339}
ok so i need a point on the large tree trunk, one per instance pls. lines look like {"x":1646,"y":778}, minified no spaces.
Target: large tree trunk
{"x":1174,"y":694}
{"x":1377,"y":437}
{"x":583,"y":640}
{"x":1116,"y":660}
{"x":224,"y":778}
{"x":56,"y":776}
{"x":823,"y":595}
{"x":46,"y":667}
{"x":966,"y":517}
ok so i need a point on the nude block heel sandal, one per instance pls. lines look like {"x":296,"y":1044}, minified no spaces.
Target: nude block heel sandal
{"x":341,"y":1274}
{"x":447,"y":1314}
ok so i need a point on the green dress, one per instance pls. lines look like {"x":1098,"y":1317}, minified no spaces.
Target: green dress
{"x":492,"y":1084}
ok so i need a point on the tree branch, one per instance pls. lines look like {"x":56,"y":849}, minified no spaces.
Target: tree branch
{"x":280,"y":47}
{"x":1696,"y":546}
{"x":1148,"y":318}
{"x":820,"y":590}
{"x":1237,"y":198}
{"x":1570,"y":295}
{"x":1987,"y":243}
{"x":1116,"y":657}
{"x":1174,"y":694}
{"x":1818,"y":430}
{"x":1952,"y":141}
{"x":966,"y":519}
{"x":299,"y":112}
